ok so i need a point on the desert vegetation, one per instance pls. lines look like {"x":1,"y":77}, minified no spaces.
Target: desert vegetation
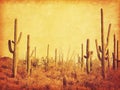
{"x":58,"y":74}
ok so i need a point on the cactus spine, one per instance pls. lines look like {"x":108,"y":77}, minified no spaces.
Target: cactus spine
{"x":103,"y":49}
{"x":15,"y":50}
{"x":28,"y":55}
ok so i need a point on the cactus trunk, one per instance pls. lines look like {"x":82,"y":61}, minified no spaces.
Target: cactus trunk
{"x":48,"y":53}
{"x":114,"y":54}
{"x":90,"y":62}
{"x":117,"y":54}
{"x":15,"y":57}
{"x":108,"y":60}
{"x":35,"y":52}
{"x":87,"y":59}
{"x":55,"y":56}
{"x":103,"y":47}
{"x":82,"y":62}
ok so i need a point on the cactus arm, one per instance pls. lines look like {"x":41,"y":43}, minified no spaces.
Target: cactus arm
{"x":13,"y":42}
{"x":85,"y":56}
{"x":10,"y":46}
{"x":98,"y":53}
{"x":96,"y":43}
{"x":106,"y":54}
{"x":108,"y":35}
{"x":19,"y":38}
{"x":31,"y":53}
{"x":100,"y":49}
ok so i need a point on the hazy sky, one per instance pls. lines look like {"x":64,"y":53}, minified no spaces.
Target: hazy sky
{"x":62,"y":25}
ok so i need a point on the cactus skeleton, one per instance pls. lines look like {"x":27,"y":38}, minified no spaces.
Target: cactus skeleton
{"x":15,"y":50}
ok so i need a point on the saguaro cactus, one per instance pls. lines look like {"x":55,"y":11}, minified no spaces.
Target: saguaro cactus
{"x":88,"y":57}
{"x":82,"y":61}
{"x":115,"y":54}
{"x":28,"y":55}
{"x":102,"y":51}
{"x":79,"y":60}
{"x":35,"y":52}
{"x":55,"y":56}
{"x":48,"y":53}
{"x":118,"y":54}
{"x":15,"y":50}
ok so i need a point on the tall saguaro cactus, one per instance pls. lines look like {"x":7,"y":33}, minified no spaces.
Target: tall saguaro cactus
{"x":103,"y":47}
{"x":88,"y":57}
{"x":15,"y":50}
{"x":28,"y":55}
{"x":102,"y":51}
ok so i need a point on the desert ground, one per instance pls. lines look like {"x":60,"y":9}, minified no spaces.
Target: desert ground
{"x":62,"y":76}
